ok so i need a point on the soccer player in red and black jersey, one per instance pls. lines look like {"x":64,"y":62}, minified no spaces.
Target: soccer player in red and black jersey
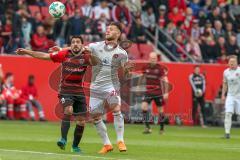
{"x":156,"y":79}
{"x":75,"y":61}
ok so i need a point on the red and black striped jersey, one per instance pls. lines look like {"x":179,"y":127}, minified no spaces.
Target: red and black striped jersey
{"x":154,"y":75}
{"x":73,"y":68}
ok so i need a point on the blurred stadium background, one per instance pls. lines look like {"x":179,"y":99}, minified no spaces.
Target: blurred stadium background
{"x":182,"y":32}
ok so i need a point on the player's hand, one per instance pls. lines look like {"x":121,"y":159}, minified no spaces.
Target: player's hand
{"x":86,"y":49}
{"x":165,"y":96}
{"x":21,"y":51}
{"x":54,"y":49}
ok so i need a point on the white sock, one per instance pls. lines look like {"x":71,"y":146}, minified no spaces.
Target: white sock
{"x":228,"y":122}
{"x":119,"y":125}
{"x":102,"y":131}
{"x":32,"y":114}
{"x":41,"y":114}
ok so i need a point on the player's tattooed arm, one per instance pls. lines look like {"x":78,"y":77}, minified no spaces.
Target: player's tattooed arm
{"x":56,"y":49}
{"x":34,"y":54}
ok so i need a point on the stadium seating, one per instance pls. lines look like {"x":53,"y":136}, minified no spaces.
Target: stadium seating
{"x":33,"y":9}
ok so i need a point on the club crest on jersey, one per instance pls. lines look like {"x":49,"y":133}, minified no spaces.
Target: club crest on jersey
{"x":237,"y":74}
{"x":115,"y":56}
{"x":106,"y":61}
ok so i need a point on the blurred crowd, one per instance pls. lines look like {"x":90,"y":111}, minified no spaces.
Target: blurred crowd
{"x":208,"y":30}
{"x":19,"y":103}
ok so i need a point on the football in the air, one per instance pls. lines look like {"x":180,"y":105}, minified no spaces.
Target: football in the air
{"x":199,"y":93}
{"x":57,"y":9}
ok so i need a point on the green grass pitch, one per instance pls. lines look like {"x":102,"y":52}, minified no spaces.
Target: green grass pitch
{"x":37,"y":141}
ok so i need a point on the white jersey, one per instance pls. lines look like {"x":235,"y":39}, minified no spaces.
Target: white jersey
{"x":232,"y":78}
{"x":105,"y":74}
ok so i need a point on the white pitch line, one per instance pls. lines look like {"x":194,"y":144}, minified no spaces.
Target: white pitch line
{"x":59,"y":154}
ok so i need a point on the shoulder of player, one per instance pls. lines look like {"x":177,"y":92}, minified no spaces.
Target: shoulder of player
{"x":122,"y":51}
{"x":226,"y":71}
{"x":96,"y":43}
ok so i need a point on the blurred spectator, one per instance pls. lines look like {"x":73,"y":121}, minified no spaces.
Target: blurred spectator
{"x":221,"y":46}
{"x":137,"y":33}
{"x":12,"y":27}
{"x":180,"y":30}
{"x":61,"y":31}
{"x":71,"y":6}
{"x":120,"y":13}
{"x":36,"y":21}
{"x":225,"y":18}
{"x":209,"y":5}
{"x":27,"y":30}
{"x":195,"y":7}
{"x":77,"y":26}
{"x":218,"y":31}
{"x":214,"y":15}
{"x":181,"y":4}
{"x":13,"y":99}
{"x":176,"y":15}
{"x":133,"y":5}
{"x":40,"y":3}
{"x":101,"y":9}
{"x":179,"y":51}
{"x":195,"y":31}
{"x":232,"y":47}
{"x":87,"y":9}
{"x":39,"y":41}
{"x":102,"y":25}
{"x":234,"y":9}
{"x":202,"y":17}
{"x":193,"y":48}
{"x":170,"y":30}
{"x":208,"y":47}
{"x":222,"y":60}
{"x":188,"y":20}
{"x":29,"y":93}
{"x":148,"y":19}
{"x":163,"y":18}
{"x":229,"y":30}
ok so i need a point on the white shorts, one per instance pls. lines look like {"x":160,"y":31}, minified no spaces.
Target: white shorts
{"x":232,"y":105}
{"x":99,"y":98}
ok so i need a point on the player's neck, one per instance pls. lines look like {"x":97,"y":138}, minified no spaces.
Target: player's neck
{"x":111,"y":42}
{"x":233,"y":68}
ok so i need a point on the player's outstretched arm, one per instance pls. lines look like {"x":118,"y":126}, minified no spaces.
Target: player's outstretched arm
{"x":34,"y":54}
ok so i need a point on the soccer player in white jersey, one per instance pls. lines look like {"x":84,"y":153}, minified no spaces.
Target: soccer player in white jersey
{"x":105,"y":85}
{"x":231,"y":85}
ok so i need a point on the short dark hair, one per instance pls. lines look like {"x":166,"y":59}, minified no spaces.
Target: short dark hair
{"x":8,"y":74}
{"x":117,"y":24}
{"x":77,"y":37}
{"x":197,"y":66}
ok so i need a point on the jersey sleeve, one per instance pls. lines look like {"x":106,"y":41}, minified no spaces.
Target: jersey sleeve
{"x":58,"y":56}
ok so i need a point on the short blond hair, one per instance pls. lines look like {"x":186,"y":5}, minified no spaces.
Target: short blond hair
{"x":232,"y":57}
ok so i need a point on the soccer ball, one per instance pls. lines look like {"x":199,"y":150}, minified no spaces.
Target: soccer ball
{"x":199,"y":93}
{"x":57,"y":9}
